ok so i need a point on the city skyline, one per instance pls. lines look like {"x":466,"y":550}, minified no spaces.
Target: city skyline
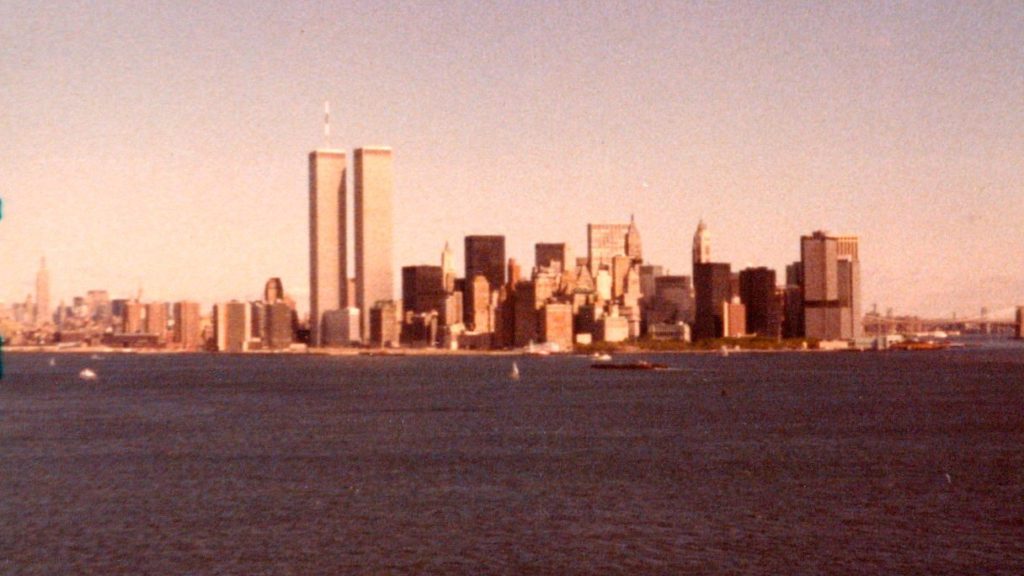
{"x":899,"y":124}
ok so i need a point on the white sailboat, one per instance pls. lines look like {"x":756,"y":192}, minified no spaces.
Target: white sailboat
{"x":87,"y":374}
{"x":514,"y":375}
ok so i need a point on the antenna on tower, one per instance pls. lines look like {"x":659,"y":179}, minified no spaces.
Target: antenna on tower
{"x":327,"y":122}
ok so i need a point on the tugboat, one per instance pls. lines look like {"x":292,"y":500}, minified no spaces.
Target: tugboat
{"x":638,"y":365}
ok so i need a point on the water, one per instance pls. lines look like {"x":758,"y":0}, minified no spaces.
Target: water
{"x":768,"y":463}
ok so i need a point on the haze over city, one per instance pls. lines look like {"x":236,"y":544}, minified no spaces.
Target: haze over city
{"x":166,"y":147}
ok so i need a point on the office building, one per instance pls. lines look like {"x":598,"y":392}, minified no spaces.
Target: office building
{"x":604,"y":242}
{"x":278,"y":332}
{"x":556,"y":325}
{"x":384,"y":329}
{"x":328,"y":257}
{"x":341,"y":327}
{"x":478,"y":295}
{"x":485,"y":256}
{"x":131,"y":317}
{"x":232,"y":325}
{"x":156,"y":319}
{"x":831,"y":286}
{"x":187,"y":329}
{"x":757,"y":292}
{"x":374,"y":187}
{"x":554,"y":256}
{"x":712,"y":286}
{"x":423,"y":288}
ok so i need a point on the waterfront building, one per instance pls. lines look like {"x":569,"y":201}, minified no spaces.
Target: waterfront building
{"x":374,"y":188}
{"x":279,"y":332}
{"x":43,"y":312}
{"x":232,"y":326}
{"x":384,"y":325}
{"x":757,"y":292}
{"x":611,"y":328}
{"x":341,"y":327}
{"x":131,"y":317}
{"x":328,"y":249}
{"x":713,"y":287}
{"x":831,"y":286}
{"x":701,"y":245}
{"x":156,"y":319}
{"x":556,"y":324}
{"x":98,"y":303}
{"x":187,"y":329}
{"x":734,"y":323}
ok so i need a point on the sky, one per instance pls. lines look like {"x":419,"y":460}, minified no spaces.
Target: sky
{"x":164,"y":145}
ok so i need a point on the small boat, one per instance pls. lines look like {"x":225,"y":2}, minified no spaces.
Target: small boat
{"x":53,"y":362}
{"x":87,"y":374}
{"x":603,"y":357}
{"x":638,"y":365}
{"x":514,"y":375}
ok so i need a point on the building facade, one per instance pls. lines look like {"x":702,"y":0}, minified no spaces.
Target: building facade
{"x":374,"y":187}
{"x":328,"y":250}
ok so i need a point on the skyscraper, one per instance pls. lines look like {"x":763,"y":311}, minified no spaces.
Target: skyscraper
{"x":757,"y":292}
{"x":328,"y":261}
{"x":831,"y":286}
{"x":43,"y":294}
{"x":701,"y":245}
{"x":485,"y":256}
{"x":374,"y":186}
{"x":712,"y":285}
{"x":606,"y":241}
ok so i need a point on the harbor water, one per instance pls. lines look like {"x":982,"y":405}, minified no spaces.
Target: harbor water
{"x":768,"y":463}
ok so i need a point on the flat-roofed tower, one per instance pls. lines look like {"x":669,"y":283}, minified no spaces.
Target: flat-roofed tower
{"x":373,"y":183}
{"x":327,"y":232}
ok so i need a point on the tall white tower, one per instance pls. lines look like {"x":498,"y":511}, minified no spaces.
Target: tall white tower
{"x":702,"y":244}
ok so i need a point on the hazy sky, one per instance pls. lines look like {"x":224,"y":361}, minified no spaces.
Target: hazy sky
{"x":165,"y":144}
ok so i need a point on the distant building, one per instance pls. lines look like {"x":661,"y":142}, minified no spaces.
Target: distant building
{"x":131,"y":317}
{"x":1020,"y":323}
{"x":187,"y":329}
{"x":757,"y":292}
{"x":734,"y":315}
{"x":328,"y":249}
{"x":556,"y":256}
{"x":98,"y":304}
{"x":273,"y":291}
{"x":672,"y":301}
{"x":556,"y":324}
{"x":831,"y":286}
{"x":478,"y":295}
{"x":374,"y":186}
{"x":606,"y":241}
{"x":156,"y":319}
{"x":712,"y":285}
{"x":384,"y":326}
{"x":611,"y":329}
{"x":485,"y":256}
{"x":279,"y":331}
{"x":701,"y":245}
{"x":341,"y":327}
{"x":232,"y":325}
{"x":422,"y":288}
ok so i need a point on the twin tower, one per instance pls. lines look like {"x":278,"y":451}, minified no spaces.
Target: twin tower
{"x":329,"y":287}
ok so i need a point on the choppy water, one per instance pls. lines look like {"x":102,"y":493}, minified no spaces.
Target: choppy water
{"x":780,"y":463}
